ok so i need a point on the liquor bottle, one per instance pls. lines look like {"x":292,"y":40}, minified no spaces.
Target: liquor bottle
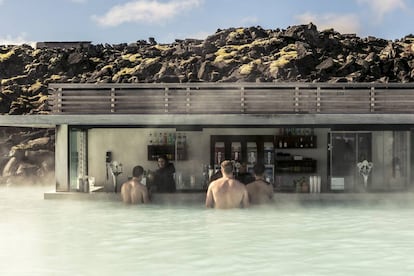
{"x":150,"y":139}
{"x":179,"y":147}
{"x":155,"y":139}
{"x":170,"y":140}
{"x":184,"y":140}
{"x":160,"y":139}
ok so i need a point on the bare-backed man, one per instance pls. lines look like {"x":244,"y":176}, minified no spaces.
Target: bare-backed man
{"x":133,"y":191}
{"x":227,"y":192}
{"x":260,"y":191}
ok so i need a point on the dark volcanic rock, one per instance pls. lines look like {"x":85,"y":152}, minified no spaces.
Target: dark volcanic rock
{"x":26,"y":155}
{"x":299,"y":53}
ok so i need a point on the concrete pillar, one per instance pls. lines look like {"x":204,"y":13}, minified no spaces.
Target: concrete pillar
{"x":62,"y":158}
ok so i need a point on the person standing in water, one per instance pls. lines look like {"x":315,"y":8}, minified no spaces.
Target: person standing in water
{"x":260,"y":191}
{"x":164,"y":176}
{"x":227,"y":192}
{"x":133,"y":191}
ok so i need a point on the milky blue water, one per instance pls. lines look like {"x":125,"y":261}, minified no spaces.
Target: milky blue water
{"x":58,"y":237}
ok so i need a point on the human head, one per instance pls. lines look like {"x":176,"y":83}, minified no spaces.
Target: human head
{"x":162,"y":161}
{"x":259,"y":169}
{"x":137,"y":171}
{"x":226,"y":167}
{"x":243,"y":167}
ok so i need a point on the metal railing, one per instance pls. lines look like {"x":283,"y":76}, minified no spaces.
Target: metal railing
{"x":232,"y":98}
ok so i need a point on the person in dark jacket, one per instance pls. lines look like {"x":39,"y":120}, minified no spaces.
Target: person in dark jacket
{"x":164,"y":176}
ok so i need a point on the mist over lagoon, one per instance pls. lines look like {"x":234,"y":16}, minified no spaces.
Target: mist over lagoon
{"x":72,"y":237}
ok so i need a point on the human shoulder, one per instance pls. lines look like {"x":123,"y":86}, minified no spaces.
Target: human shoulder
{"x":238,"y":184}
{"x":139,"y":185}
{"x":254,"y":183}
{"x":127,"y":185}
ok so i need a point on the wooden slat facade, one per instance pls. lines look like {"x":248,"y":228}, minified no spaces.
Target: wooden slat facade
{"x":232,"y":98}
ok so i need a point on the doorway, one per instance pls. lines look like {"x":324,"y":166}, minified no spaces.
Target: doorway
{"x":346,"y":150}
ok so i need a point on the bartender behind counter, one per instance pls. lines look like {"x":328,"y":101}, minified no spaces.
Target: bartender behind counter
{"x":164,"y":176}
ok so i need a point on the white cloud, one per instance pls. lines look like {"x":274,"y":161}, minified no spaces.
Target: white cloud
{"x":382,"y":7}
{"x":343,"y":23}
{"x":250,"y":20}
{"x":19,"y":40}
{"x":145,"y":11}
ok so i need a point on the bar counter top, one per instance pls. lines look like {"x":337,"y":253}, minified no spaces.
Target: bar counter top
{"x":197,"y":197}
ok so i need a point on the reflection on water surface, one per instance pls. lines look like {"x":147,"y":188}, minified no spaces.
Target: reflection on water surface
{"x":54,"y":237}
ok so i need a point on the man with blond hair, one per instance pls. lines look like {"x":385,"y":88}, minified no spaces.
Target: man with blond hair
{"x":227,"y":192}
{"x":133,"y":191}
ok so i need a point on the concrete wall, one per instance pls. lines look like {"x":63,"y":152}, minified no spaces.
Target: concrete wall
{"x":61,"y":159}
{"x":129,"y":146}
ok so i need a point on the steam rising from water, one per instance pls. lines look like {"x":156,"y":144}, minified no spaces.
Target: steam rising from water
{"x":58,"y":237}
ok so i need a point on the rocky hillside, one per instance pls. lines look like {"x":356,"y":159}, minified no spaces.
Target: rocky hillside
{"x":299,"y":53}
{"x":26,"y":156}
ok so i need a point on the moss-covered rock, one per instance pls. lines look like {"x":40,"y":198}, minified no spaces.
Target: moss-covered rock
{"x":300,"y":52}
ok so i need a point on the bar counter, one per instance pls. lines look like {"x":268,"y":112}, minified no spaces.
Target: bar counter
{"x":197,"y":197}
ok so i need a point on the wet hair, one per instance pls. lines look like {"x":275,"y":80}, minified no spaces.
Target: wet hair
{"x":164,"y":157}
{"x":137,"y":171}
{"x":227,"y":166}
{"x":259,"y":169}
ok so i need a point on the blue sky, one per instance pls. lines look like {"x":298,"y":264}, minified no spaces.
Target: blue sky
{"x":108,"y":21}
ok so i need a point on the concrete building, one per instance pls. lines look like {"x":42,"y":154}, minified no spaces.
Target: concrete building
{"x":351,"y":138}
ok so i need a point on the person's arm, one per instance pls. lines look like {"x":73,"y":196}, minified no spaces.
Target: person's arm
{"x":209,"y":198}
{"x":170,"y":168}
{"x":145,"y":196}
{"x":245,"y":199}
{"x":270,"y":191}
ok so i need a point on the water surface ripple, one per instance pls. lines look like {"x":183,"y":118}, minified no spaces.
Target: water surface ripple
{"x":55,"y":237}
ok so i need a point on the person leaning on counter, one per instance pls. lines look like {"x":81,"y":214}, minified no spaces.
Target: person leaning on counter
{"x":133,"y":191}
{"x":260,"y":191}
{"x":227,"y":192}
{"x":164,"y":176}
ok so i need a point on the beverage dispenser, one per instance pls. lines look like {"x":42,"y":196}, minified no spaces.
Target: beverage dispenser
{"x":236,"y":151}
{"x":218,"y":154}
{"x":252,"y":153}
{"x":268,"y":153}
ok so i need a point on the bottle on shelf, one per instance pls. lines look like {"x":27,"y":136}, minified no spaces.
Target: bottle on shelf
{"x":160,"y":139}
{"x":170,"y":139}
{"x":155,"y":139}
{"x":150,"y":139}
{"x":184,"y":140}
